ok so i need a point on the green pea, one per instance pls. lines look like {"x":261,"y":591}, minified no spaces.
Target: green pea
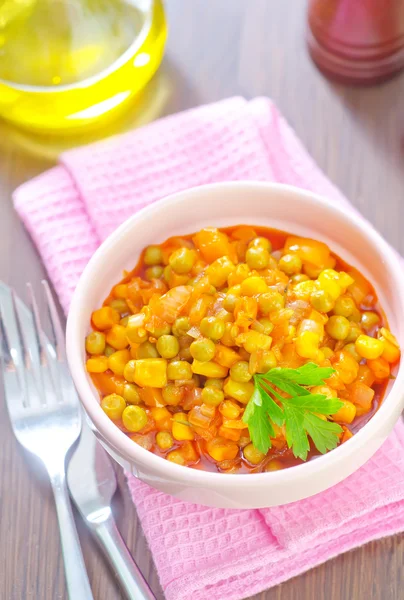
{"x":120,"y":305}
{"x":159,"y":330}
{"x":352,"y":351}
{"x":216,"y":383}
{"x":109,"y":350}
{"x":354,"y":332}
{"x":203,"y":349}
{"x":181,"y":326}
{"x":154,"y":272}
{"x":270,"y":301}
{"x":212,"y":328}
{"x":344,"y":306}
{"x":131,"y":393}
{"x":172,"y":394}
{"x":168,"y":346}
{"x":257,"y":258}
{"x":261,"y":242}
{"x":321,"y":301}
{"x":153,"y":256}
{"x":212,"y":395}
{"x":239,"y":372}
{"x":229,"y":302}
{"x":369,"y":320}
{"x":182,"y":260}
{"x":178,"y":370}
{"x":337,"y":327}
{"x":290,"y":264}
{"x":147,"y":350}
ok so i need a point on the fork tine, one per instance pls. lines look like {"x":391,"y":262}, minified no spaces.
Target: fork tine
{"x":39,"y":334}
{"x":57,"y":330}
{"x":26,"y":357}
{"x":11,"y":360}
{"x":5,"y":353}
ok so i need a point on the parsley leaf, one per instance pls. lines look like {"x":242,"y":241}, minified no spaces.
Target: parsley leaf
{"x":259,"y":425}
{"x":296,"y":436}
{"x":298,"y":411}
{"x":319,"y":431}
{"x":309,"y":374}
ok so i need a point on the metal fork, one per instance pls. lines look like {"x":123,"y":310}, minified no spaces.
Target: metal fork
{"x":44,"y":411}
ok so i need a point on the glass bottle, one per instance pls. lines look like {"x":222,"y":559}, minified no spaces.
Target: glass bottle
{"x":66,"y":64}
{"x":357,"y":41}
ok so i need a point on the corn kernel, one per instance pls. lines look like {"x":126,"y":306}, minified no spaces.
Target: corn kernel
{"x":97,"y":364}
{"x":253,"y":286}
{"x":239,"y":391}
{"x":118,"y":360}
{"x":116,"y":337}
{"x":390,"y":352}
{"x":229,"y":409}
{"x":147,"y":372}
{"x":105,"y":317}
{"x":386,"y":334}
{"x":209,"y":369}
{"x":120,"y":290}
{"x":307,"y":344}
{"x":231,"y":332}
{"x":221,"y":449}
{"x":95,"y":342}
{"x":219,"y":271}
{"x":135,"y":331}
{"x":344,"y":279}
{"x":346,"y":413}
{"x":180,"y":430}
{"x":305,"y":289}
{"x":253,"y":340}
{"x":369,"y":347}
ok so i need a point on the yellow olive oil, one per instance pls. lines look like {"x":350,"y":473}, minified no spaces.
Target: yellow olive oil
{"x":65,"y":64}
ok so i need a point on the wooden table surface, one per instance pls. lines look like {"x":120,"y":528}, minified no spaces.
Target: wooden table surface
{"x":216,"y":49}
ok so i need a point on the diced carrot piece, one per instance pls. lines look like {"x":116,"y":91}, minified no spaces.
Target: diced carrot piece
{"x":308,"y":250}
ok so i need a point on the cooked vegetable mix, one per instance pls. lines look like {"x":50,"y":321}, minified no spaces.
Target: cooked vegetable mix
{"x":240,"y":350}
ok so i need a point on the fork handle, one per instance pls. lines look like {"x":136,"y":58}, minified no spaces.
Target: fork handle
{"x":128,"y":573}
{"x":78,"y":586}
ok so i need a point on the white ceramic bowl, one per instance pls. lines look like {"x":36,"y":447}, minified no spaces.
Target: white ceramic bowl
{"x":281,"y":207}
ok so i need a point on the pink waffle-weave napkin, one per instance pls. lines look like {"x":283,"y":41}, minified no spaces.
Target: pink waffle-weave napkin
{"x":205,"y":553}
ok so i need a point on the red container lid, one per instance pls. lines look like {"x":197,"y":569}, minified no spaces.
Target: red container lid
{"x":358,"y":41}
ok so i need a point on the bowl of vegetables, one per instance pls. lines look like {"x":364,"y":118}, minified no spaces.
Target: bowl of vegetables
{"x":238,"y":344}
